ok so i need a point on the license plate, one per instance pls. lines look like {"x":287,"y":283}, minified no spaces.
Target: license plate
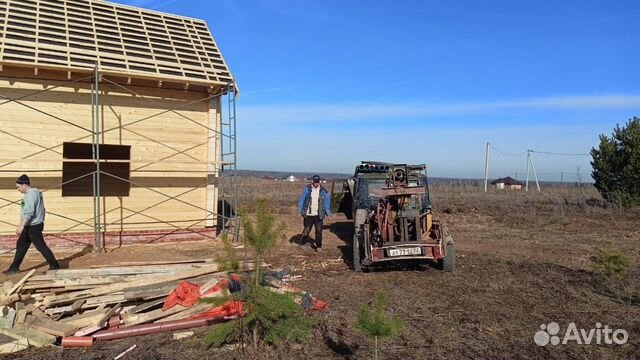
{"x":405,"y":251}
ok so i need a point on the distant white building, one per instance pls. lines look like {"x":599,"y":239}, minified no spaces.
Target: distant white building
{"x":507,"y":183}
{"x":292,"y":178}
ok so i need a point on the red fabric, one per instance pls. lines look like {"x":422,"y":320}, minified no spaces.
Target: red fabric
{"x":229,"y":308}
{"x":319,"y":305}
{"x":222,"y":284}
{"x":185,"y":294}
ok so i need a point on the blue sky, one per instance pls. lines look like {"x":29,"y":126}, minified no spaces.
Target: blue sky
{"x":327,"y":83}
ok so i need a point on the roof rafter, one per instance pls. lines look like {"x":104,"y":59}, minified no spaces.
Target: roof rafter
{"x":77,"y":35}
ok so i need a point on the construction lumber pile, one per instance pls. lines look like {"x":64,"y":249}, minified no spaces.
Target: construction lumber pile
{"x":73,"y":307}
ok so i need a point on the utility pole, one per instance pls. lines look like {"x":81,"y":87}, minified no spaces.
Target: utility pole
{"x":534,"y":172}
{"x":579,"y":176}
{"x":535,"y":175}
{"x":486,"y":167}
{"x":526,"y":186}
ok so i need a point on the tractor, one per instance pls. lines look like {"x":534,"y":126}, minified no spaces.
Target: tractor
{"x":392,"y":219}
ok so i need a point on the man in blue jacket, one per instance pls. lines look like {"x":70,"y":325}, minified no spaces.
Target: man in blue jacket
{"x":313,"y":206}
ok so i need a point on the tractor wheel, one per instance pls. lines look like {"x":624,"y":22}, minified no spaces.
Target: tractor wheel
{"x":356,"y":253}
{"x":448,"y":262}
{"x":358,"y":238}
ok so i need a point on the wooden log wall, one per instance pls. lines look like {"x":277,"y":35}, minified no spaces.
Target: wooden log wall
{"x":170,"y":151}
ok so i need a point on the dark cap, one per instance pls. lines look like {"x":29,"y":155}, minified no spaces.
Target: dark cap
{"x":23,"y":179}
{"x":316,"y":178}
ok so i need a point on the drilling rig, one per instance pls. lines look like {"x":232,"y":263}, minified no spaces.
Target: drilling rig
{"x":392,"y":218}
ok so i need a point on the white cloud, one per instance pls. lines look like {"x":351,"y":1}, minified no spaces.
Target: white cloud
{"x":305,"y":113}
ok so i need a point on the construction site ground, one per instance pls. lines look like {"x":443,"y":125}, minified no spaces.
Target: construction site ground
{"x":523,"y":260}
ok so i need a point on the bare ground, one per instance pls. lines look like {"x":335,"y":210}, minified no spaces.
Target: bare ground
{"x":523,"y":260}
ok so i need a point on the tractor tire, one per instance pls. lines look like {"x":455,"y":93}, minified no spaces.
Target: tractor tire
{"x":358,"y":238}
{"x":448,"y":262}
{"x":356,"y":254}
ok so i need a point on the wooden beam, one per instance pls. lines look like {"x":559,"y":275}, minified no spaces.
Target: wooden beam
{"x":14,"y":346}
{"x":51,"y":327}
{"x":21,"y":315}
{"x":135,"y":319}
{"x":152,"y":280}
{"x":9,"y":319}
{"x":146,"y":306}
{"x":193,"y":310}
{"x":150,"y":263}
{"x":33,"y":336}
{"x":22,"y":281}
{"x":90,"y":318}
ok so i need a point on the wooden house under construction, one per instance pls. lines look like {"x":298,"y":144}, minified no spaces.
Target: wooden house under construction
{"x":143,"y":98}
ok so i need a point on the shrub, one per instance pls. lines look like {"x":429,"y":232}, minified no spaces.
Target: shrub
{"x":375,"y":323}
{"x":273,"y":317}
{"x":616,"y":165}
{"x":228,"y":260}
{"x":611,"y":264}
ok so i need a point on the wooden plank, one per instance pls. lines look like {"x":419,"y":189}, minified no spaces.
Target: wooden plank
{"x":135,"y":319}
{"x":147,"y":263}
{"x":193,"y":310}
{"x":10,"y":318}
{"x":33,"y":336}
{"x":146,"y":306}
{"x":118,"y":271}
{"x":57,"y":282}
{"x":88,"y":330}
{"x":21,"y":315}
{"x":163,"y":289}
{"x":71,"y":297}
{"x":77,"y":305}
{"x":36,"y":312}
{"x":106,"y":299}
{"x":87,"y":319}
{"x":14,"y":346}
{"x":22,"y":281}
{"x":51,"y":327}
{"x":10,"y":299}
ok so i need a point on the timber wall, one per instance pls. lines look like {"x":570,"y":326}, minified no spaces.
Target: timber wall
{"x":32,"y":133}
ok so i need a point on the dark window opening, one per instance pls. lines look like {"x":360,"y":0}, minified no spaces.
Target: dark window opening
{"x":77,"y":174}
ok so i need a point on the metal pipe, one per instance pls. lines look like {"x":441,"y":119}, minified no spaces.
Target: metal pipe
{"x":236,"y":229}
{"x":77,"y":341}
{"x":97,"y":159}
{"x":137,"y":330}
{"x":93,"y":154}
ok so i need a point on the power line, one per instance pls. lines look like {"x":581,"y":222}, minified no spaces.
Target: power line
{"x":556,"y":153}
{"x":505,"y":153}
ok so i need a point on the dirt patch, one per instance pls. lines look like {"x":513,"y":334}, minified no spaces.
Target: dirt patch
{"x":523,"y":261}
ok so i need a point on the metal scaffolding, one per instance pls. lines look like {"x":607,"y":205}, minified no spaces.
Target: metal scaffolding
{"x":224,"y":171}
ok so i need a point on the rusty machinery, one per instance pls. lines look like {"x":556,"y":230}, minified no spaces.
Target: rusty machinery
{"x":391,"y":211}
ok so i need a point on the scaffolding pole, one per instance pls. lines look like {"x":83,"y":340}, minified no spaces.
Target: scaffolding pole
{"x":229,"y":158}
{"x":97,"y":231}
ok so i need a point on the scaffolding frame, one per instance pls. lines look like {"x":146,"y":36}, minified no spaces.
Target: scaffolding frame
{"x":224,"y":170}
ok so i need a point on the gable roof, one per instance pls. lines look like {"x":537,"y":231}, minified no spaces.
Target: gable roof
{"x":72,"y":35}
{"x":507,"y":181}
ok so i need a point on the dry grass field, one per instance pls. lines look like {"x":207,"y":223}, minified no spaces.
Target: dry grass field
{"x":524,"y":259}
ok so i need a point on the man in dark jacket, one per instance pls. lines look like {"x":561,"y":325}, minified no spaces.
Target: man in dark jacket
{"x":314,"y":205}
{"x":29,"y":230}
